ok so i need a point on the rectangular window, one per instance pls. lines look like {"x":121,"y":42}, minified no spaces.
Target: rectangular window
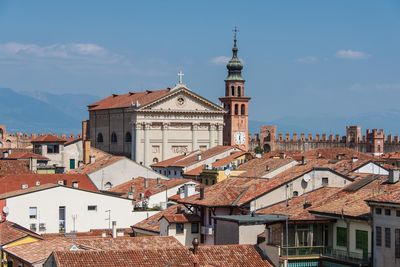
{"x":195,"y":228}
{"x":32,"y":227}
{"x":92,"y":208}
{"x":387,"y":237}
{"x":378,"y":211}
{"x":53,"y":149}
{"x":378,"y":236}
{"x":325,"y":181}
{"x":397,"y":243}
{"x":341,"y":236}
{"x":61,"y":219}
{"x":179,"y":228}
{"x":37,"y":149}
{"x":362,"y":240}
{"x":32,"y":212}
{"x":387,"y":212}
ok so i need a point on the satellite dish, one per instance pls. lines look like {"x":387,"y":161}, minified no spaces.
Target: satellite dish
{"x":307,"y":178}
{"x":6,"y":211}
{"x":227,"y":172}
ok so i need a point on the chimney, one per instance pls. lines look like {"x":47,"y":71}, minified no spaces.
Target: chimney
{"x":198,"y":157}
{"x":131,"y":193}
{"x":92,"y":159}
{"x":354,"y":159}
{"x":393,"y":176}
{"x":282,"y":155}
{"x":145,"y":183}
{"x":267,"y":168}
{"x":5,"y":154}
{"x":201,"y":192}
{"x":303,"y":160}
{"x":114,"y":229}
{"x":339,"y":157}
{"x":86,"y":142}
{"x":195,"y":244}
{"x":306,"y":205}
{"x":179,"y":210}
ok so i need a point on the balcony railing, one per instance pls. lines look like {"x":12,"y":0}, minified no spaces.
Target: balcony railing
{"x":361,"y":259}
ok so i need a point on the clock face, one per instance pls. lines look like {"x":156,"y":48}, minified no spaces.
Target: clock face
{"x":240,"y":138}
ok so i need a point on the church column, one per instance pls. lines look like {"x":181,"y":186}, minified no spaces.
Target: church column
{"x":146,"y":149}
{"x":138,"y":138}
{"x":195,"y":128}
{"x":211,"y":131}
{"x":220,"y":128}
{"x":164,"y":140}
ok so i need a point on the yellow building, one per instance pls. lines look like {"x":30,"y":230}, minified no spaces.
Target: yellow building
{"x":11,"y":235}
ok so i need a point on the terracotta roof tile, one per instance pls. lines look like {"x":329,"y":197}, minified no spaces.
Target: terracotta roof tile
{"x":230,"y":255}
{"x":126,"y":100}
{"x":389,"y":198}
{"x":10,"y":232}
{"x":14,"y":182}
{"x":14,"y":167}
{"x":25,"y":155}
{"x":152,"y":186}
{"x":48,"y":138}
{"x":102,"y":159}
{"x":259,"y":167}
{"x":181,"y":218}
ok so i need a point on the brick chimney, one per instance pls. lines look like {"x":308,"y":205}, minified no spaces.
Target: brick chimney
{"x":85,"y":142}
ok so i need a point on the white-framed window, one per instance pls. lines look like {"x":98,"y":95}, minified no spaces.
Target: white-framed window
{"x":32,"y":212}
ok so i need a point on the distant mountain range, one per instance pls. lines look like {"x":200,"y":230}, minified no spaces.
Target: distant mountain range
{"x":43,"y":112}
{"x":46,"y":112}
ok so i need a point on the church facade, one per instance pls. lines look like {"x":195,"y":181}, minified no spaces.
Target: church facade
{"x":155,"y":125}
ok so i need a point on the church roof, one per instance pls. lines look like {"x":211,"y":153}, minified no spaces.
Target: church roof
{"x":129,"y":99}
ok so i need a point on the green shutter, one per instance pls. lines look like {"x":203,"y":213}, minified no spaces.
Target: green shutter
{"x":341,"y":236}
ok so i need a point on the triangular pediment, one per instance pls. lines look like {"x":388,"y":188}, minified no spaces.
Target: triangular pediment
{"x":181,"y":99}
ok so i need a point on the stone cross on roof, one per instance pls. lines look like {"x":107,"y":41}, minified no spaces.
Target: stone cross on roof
{"x":180,"y":79}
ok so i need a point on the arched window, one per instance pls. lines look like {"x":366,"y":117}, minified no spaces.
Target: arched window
{"x":242,"y":109}
{"x":107,"y":186}
{"x":239,"y":91}
{"x":232,"y":90}
{"x":99,"y":138}
{"x":155,"y":160}
{"x":128,"y":137}
{"x":236,"y":109}
{"x":228,"y":108}
{"x":113,"y":137}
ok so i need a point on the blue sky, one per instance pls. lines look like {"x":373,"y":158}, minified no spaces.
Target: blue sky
{"x":302,"y":58}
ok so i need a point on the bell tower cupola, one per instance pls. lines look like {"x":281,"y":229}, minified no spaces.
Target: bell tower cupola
{"x":235,"y":102}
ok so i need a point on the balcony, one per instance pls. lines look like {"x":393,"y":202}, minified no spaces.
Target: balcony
{"x":302,"y":252}
{"x":361,"y":259}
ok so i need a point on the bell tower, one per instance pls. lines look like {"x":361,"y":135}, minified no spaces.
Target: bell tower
{"x":236,"y":128}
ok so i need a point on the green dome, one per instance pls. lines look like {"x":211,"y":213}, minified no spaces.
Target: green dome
{"x":234,"y":65}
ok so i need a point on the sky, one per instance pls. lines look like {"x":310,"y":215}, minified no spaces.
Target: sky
{"x":301,"y":58}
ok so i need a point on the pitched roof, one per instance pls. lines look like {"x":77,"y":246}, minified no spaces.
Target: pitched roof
{"x":192,"y":158}
{"x":350,"y":201}
{"x":14,"y":167}
{"x":152,"y":224}
{"x":296,"y":209}
{"x":154,"y":186}
{"x":40,"y":251}
{"x":126,"y":100}
{"x":387,"y":198}
{"x":25,"y":155}
{"x":102,"y":159}
{"x":181,"y":218}
{"x":10,"y":232}
{"x":259,"y":167}
{"x":14,"y":182}
{"x":48,"y":138}
{"x":237,"y":191}
{"x":230,"y":255}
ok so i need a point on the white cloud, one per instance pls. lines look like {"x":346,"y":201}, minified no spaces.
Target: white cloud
{"x":351,"y":54}
{"x":220,"y":60}
{"x":65,"y":51}
{"x":307,"y":60}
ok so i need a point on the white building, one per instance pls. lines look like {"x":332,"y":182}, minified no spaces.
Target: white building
{"x":52,"y":208}
{"x":152,"y":126}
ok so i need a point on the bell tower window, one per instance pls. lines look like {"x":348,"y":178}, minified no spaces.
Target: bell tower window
{"x":242,"y":109}
{"x":236,"y":109}
{"x":239,"y":91}
{"x":233,"y":90}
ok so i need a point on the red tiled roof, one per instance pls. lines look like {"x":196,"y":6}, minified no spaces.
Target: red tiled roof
{"x":152,"y":186}
{"x":72,"y":140}
{"x":14,"y":182}
{"x":230,"y":255}
{"x":181,"y":218}
{"x":224,"y":161}
{"x":48,"y":138}
{"x":10,"y":232}
{"x":152,"y":224}
{"x":350,"y":201}
{"x":190,"y":159}
{"x":389,"y":198}
{"x":14,"y":167}
{"x":26,"y":155}
{"x":126,"y":100}
{"x":102,"y":159}
{"x":237,"y":191}
{"x":258,"y":167}
{"x":295,"y":207}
